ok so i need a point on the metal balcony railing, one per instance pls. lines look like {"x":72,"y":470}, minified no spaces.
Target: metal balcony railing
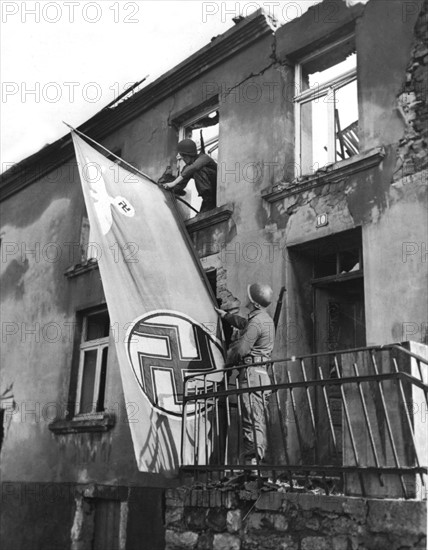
{"x":357,"y":417}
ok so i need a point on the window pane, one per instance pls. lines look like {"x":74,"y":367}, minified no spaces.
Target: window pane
{"x":349,"y":261}
{"x":98,"y":326}
{"x":103,"y":373}
{"x":322,"y":76}
{"x":346,"y":105}
{"x":326,"y":265}
{"x":88,"y":381}
{"x":314,"y":135}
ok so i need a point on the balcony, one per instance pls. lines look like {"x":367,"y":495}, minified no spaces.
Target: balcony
{"x":351,"y":422}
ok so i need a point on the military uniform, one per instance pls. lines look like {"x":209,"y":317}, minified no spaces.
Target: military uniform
{"x":204,"y":171}
{"x":255,"y":345}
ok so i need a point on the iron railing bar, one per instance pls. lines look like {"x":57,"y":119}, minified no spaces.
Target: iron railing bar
{"x":388,"y":423}
{"x":311,"y":409}
{"x":240,"y":430}
{"x":205,"y":414}
{"x":184,"y":426}
{"x":293,"y":406}
{"x":281,"y":419}
{"x":409,"y":421}
{"x":294,"y":359}
{"x":253,"y":425}
{"x":330,"y":420}
{"x":197,"y":428}
{"x":226,"y":439}
{"x":368,"y":424}
{"x":314,"y":469}
{"x":312,"y":383}
{"x":348,"y":422}
{"x":410,"y":354}
{"x":268,"y":427}
{"x":217,"y":427}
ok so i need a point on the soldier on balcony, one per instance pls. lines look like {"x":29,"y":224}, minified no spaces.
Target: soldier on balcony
{"x":255,"y":345}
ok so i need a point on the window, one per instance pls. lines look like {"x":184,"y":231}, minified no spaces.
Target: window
{"x":93,"y":352}
{"x":203,"y":128}
{"x":326,"y":107}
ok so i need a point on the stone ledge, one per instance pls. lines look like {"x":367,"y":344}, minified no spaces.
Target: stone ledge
{"x":79,"y":269}
{"x":97,"y":422}
{"x":210,"y":218}
{"x":332,"y":174}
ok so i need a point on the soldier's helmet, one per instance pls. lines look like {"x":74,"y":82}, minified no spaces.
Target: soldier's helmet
{"x":260,"y":294}
{"x":187,"y":147}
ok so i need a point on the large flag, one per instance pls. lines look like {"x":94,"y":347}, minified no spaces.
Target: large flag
{"x":165,"y":323}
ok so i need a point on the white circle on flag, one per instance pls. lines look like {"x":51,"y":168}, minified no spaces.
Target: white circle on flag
{"x":163,"y":348}
{"x":124,"y":206}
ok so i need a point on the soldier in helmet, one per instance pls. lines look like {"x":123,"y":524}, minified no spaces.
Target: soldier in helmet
{"x":255,"y":345}
{"x":202,"y":168}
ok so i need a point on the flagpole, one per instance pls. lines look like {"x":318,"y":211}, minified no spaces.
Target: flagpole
{"x":178,"y":216}
{"x":124,"y":162}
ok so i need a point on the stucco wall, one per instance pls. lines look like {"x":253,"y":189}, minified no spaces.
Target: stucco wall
{"x":256,"y":151}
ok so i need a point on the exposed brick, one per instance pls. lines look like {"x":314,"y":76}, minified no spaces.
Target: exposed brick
{"x":234,"y":521}
{"x":280,"y":522}
{"x":313,"y":524}
{"x":255,"y":521}
{"x":216,"y":519}
{"x":229,"y":499}
{"x":247,"y":495}
{"x":312,"y":502}
{"x":205,"y":541}
{"x":256,"y":541}
{"x":175,"y":540}
{"x":173,"y":514}
{"x":195,"y":518}
{"x":215,"y":499}
{"x":271,"y":500}
{"x":226,"y":541}
{"x":340,"y":526}
{"x":412,"y":101}
{"x":339,"y":543}
{"x":316,"y":543}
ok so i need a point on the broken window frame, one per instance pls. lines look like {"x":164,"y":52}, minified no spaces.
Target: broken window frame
{"x":98,"y":344}
{"x":327,"y":89}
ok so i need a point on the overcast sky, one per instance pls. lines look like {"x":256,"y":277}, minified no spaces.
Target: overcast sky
{"x":66,"y":60}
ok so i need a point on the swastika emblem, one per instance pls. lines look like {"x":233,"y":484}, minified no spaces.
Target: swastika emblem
{"x":163,"y":347}
{"x":124,"y":206}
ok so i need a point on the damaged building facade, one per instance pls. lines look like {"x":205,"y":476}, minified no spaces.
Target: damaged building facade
{"x":319,"y":129}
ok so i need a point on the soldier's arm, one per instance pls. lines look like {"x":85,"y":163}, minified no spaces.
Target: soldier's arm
{"x":244,"y":344}
{"x":236,"y":321}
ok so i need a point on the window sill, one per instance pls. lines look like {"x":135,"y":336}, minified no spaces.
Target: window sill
{"x":332,"y":173}
{"x":84,"y":267}
{"x":96,"y":422}
{"x":210,"y":218}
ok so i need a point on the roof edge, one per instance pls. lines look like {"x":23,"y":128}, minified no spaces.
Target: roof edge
{"x":251,"y":29}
